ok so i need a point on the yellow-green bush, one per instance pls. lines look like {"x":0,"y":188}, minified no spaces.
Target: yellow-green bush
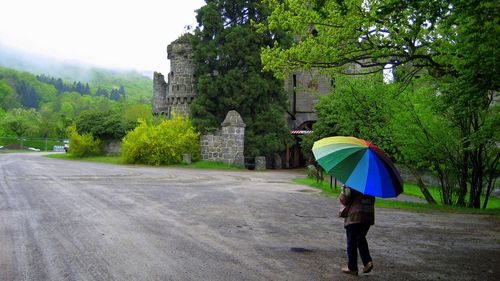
{"x":162,"y":143}
{"x":83,"y":145}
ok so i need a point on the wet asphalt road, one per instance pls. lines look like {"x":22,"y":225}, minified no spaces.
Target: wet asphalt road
{"x":67,"y":220}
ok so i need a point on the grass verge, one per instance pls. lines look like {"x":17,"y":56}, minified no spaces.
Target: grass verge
{"x":119,"y":160}
{"x":110,"y":159}
{"x":411,"y":190}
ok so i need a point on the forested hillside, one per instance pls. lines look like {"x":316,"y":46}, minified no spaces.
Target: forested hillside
{"x":137,"y":85}
{"x":58,"y":102}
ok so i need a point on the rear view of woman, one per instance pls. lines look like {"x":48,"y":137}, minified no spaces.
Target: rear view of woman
{"x":359,"y":216}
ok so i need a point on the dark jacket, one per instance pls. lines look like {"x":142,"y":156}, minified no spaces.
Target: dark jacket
{"x":361,"y":207}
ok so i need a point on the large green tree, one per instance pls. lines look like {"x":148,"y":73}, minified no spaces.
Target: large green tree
{"x":21,"y":122}
{"x":103,"y":125}
{"x":370,"y":109}
{"x":455,"y":41}
{"x":230,"y":77}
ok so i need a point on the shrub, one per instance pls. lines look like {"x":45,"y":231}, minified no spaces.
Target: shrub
{"x":162,"y":143}
{"x":83,"y":145}
{"x":103,"y":124}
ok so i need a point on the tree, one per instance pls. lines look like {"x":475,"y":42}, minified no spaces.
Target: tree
{"x":86,"y":89}
{"x":366,"y":108}
{"x":2,"y":130}
{"x":6,"y":95}
{"x":121,"y":91}
{"x":51,"y":124}
{"x":115,"y":95}
{"x":21,"y":121}
{"x":135,"y":112}
{"x":230,"y":77}
{"x":103,"y":125}
{"x":425,"y":139}
{"x":455,"y":42}
{"x":469,"y":92}
{"x":101,"y":92}
{"x":27,"y":94}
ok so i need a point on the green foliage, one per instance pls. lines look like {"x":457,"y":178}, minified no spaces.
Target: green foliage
{"x":380,"y":34}
{"x":411,"y":190}
{"x":2,"y":130}
{"x":230,"y":77}
{"x":21,"y":121}
{"x":161,"y":144}
{"x":5,"y":92}
{"x":52,"y":124}
{"x":136,"y":87}
{"x":22,"y":89}
{"x":424,"y":137}
{"x":60,"y":101}
{"x":136,"y":112}
{"x":358,"y":106}
{"x":83,"y":145}
{"x":454,"y":42}
{"x":103,"y":124}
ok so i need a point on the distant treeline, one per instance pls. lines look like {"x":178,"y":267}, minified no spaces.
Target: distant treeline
{"x":82,"y":89}
{"x":64,"y":87}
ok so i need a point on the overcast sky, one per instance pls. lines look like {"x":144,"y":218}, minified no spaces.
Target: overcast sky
{"x":108,"y":33}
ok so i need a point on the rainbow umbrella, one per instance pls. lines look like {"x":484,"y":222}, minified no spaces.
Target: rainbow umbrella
{"x":359,"y":164}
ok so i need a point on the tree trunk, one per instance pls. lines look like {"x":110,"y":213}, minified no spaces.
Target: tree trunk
{"x":488,"y":192}
{"x":423,"y":187}
{"x":462,"y":181}
{"x":492,"y":177}
{"x":445,"y":192}
{"x":476,"y":179}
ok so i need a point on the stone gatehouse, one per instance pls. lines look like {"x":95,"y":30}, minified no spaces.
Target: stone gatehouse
{"x":304,"y":88}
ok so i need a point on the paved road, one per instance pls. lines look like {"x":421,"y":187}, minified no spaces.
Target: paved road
{"x":65,"y":220}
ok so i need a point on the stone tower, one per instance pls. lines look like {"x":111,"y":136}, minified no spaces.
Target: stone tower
{"x":176,"y":95}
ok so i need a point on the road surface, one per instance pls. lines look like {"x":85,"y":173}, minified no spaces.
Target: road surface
{"x":69,"y":220}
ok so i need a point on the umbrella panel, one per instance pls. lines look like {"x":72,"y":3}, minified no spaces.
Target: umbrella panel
{"x":381,"y":183}
{"x":344,"y":169}
{"x":328,"y":161}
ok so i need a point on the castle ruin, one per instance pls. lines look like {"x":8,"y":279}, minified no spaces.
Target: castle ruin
{"x":176,"y":95}
{"x":304,"y":88}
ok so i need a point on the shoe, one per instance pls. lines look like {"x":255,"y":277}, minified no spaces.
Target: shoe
{"x":368,"y":267}
{"x":346,"y":270}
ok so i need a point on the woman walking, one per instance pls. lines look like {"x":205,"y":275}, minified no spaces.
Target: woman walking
{"x":359,"y":215}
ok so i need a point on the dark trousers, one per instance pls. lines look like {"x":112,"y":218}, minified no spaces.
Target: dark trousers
{"x":356,"y":239}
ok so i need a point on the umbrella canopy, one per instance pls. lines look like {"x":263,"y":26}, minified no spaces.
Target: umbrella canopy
{"x":359,"y":164}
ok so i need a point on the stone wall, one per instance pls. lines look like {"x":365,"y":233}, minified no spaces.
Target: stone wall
{"x":304,"y":88}
{"x":159,"y":93}
{"x":226,"y":145}
{"x":211,"y":146}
